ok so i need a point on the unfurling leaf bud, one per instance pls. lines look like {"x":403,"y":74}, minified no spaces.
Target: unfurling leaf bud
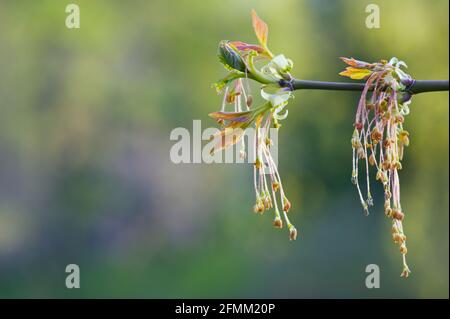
{"x":230,"y":56}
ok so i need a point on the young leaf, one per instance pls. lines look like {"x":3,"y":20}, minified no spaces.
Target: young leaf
{"x":356,"y":63}
{"x":225,"y":138}
{"x":356,"y":74}
{"x":261,"y":29}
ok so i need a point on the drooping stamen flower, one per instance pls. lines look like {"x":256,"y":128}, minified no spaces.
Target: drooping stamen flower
{"x":379,"y":137}
{"x":239,"y":59}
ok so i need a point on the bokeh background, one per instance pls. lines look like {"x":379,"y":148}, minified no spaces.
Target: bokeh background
{"x":86,"y":177}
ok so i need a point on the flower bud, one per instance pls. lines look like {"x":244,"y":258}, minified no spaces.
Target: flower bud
{"x":278,"y":223}
{"x":398,"y":239}
{"x":370,"y":106}
{"x":230,"y":97}
{"x":258,"y":163}
{"x":267,"y":202}
{"x":387,"y":143}
{"x":375,"y":135}
{"x":358,"y":126}
{"x":260,"y":208}
{"x":403,"y":249}
{"x":287,"y":205}
{"x":394,"y":229}
{"x":387,"y":194}
{"x":386,"y":165}
{"x":388,"y":212}
{"x":379,"y":175}
{"x":292,"y":232}
{"x":403,"y":137}
{"x":275,"y":186}
{"x":361,"y":153}
{"x":399,"y":118}
{"x":383,"y":105}
{"x":405,"y":272}
{"x":396,"y":214}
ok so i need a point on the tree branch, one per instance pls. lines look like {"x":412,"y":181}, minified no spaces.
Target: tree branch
{"x":418,"y":86}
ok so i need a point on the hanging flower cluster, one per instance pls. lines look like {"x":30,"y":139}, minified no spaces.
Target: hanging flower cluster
{"x":256,"y":62}
{"x":379,"y":138}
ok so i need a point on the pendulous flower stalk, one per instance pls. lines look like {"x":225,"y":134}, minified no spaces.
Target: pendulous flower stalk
{"x":379,"y":138}
{"x":241,"y":60}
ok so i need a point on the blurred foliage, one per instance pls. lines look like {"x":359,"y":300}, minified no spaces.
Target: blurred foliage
{"x":86,"y":178}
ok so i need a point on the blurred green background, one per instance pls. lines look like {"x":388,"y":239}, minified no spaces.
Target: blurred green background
{"x":86,"y":178}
